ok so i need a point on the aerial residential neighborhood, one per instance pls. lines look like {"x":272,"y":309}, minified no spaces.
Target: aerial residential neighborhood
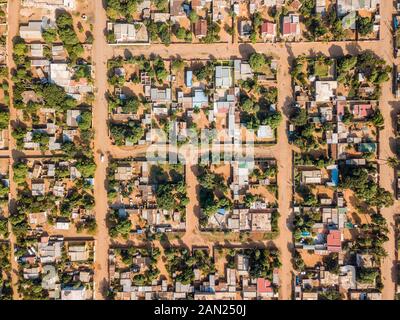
{"x":199,"y":150}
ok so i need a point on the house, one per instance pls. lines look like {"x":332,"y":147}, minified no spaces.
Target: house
{"x":72,"y":293}
{"x":37,"y":50}
{"x":200,"y":28}
{"x":362,"y":110}
{"x":261,"y":221}
{"x":346,"y":6}
{"x":245,"y":28}
{"x":38,"y":218}
{"x":38,"y":189}
{"x":176,"y":9}
{"x":311,"y":177}
{"x":73,"y":118}
{"x":265,"y":132}
{"x":365,"y":260}
{"x":130,"y":33}
{"x":33,"y":31}
{"x":242,"y":264}
{"x":223,"y":77}
{"x":349,"y":21}
{"x":268,"y":30}
{"x":320,"y":7}
{"x":78,"y":252}
{"x":291,"y":26}
{"x":199,"y":99}
{"x":50,"y":4}
{"x":160,"y":96}
{"x":62,"y":225}
{"x":264,"y":288}
{"x":347,"y":277}
{"x":123,"y":173}
{"x":325,"y":90}
{"x":334,"y":241}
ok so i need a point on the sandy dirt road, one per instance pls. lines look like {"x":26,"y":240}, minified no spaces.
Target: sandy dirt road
{"x":13,"y":30}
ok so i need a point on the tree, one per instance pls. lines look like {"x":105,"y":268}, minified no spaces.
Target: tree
{"x":393,"y":162}
{"x":20,"y":172}
{"x":365,"y":25}
{"x":300,"y":117}
{"x":177,"y":64}
{"x":193,"y":17}
{"x":257,"y":61}
{"x":377,"y":119}
{"x":49,"y":35}
{"x":85,"y":120}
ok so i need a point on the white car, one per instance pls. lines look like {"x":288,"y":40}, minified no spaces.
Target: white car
{"x":102,"y":157}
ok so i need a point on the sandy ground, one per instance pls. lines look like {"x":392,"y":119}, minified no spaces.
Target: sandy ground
{"x":282,"y":151}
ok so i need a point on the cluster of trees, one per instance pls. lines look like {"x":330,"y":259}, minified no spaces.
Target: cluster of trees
{"x":180,"y":262}
{"x":259,"y":113}
{"x":372,"y":238}
{"x":303,"y":222}
{"x":159,"y":30}
{"x":68,"y":36}
{"x":206,"y":72}
{"x":263,"y":262}
{"x":129,"y":105}
{"x":123,"y":133}
{"x":151,"y":273}
{"x":213,"y":30}
{"x":4,"y":227}
{"x":375,"y":70}
{"x":5,"y":268}
{"x":365,"y":25}
{"x":327,"y":27}
{"x":364,"y":187}
{"x":304,"y":136}
{"x":210,"y":183}
{"x":117,"y":8}
{"x":119,"y":225}
{"x":310,"y":160}
{"x":182,"y":33}
{"x":172,"y":197}
{"x":258,"y":61}
{"x":76,"y":199}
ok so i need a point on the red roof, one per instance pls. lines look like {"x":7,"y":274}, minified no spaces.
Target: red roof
{"x":362,"y":110}
{"x":289,"y":28}
{"x":268,"y":28}
{"x":264,"y":285}
{"x":334,"y":241}
{"x":200,"y":28}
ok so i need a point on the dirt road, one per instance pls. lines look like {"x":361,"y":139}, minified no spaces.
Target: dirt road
{"x":389,"y":109}
{"x":101,"y":147}
{"x":13,"y":30}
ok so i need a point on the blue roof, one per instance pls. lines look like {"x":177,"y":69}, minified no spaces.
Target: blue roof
{"x":189,"y":78}
{"x":221,"y":211}
{"x":335,"y":176}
